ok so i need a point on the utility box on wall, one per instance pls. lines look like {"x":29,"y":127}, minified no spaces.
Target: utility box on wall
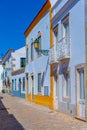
{"x":46,"y":90}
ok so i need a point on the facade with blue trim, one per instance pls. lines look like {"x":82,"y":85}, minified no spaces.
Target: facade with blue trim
{"x":18,"y":83}
{"x":68,"y":56}
{"x":18,"y":73}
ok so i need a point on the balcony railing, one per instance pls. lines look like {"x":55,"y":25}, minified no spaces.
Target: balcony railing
{"x":60,"y":51}
{"x":63,"y":48}
{"x":53,"y":55}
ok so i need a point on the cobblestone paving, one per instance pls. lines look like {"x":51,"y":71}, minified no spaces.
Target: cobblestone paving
{"x":19,"y":114}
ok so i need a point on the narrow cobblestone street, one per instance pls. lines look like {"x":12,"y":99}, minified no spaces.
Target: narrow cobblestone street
{"x":19,"y":114}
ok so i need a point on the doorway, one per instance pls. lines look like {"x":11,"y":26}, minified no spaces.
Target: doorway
{"x":32,"y":86}
{"x":19,"y":86}
{"x":80,"y":93}
{"x":27,"y":89}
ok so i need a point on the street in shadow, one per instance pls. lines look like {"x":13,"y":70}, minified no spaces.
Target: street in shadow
{"x":8,"y":121}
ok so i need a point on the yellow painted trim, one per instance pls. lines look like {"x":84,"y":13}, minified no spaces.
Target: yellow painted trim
{"x":40,"y":99}
{"x":36,"y":19}
{"x":51,"y":76}
{"x":43,"y":100}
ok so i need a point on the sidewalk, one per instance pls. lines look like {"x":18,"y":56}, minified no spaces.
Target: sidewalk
{"x":19,"y":114}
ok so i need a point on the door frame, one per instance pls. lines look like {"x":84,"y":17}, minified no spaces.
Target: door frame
{"x":77,"y":68}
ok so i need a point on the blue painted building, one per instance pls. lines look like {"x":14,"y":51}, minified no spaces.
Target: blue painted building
{"x":37,"y":69}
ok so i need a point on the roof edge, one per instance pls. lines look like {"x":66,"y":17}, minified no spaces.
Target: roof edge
{"x":38,"y":16}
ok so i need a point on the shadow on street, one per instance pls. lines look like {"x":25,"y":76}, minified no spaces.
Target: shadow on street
{"x":8,"y":121}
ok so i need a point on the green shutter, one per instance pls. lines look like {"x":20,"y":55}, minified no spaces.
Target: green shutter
{"x":22,"y":62}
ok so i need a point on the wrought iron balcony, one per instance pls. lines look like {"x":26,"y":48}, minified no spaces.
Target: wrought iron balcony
{"x":63,"y":47}
{"x":53,"y":55}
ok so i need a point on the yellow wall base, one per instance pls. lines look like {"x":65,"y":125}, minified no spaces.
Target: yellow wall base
{"x":42,"y":100}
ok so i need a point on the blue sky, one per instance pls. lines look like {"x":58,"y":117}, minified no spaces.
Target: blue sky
{"x":15,"y":16}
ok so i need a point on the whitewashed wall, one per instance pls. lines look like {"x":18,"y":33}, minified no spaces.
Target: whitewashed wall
{"x":17,"y":54}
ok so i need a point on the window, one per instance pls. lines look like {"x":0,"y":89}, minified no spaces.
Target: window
{"x":32,"y":81}
{"x":39,"y":82}
{"x":66,"y":89}
{"x":65,"y":23}
{"x":22,"y":62}
{"x":23,"y":83}
{"x":39,"y":46}
{"x":32,"y":51}
{"x":32,"y":86}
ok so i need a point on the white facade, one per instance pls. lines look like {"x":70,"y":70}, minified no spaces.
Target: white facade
{"x":6,"y":73}
{"x":68,"y":53}
{"x":16,"y":55}
{"x":18,"y":61}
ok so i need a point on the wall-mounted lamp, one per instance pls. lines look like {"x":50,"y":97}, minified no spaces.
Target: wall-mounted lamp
{"x":36,"y":46}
